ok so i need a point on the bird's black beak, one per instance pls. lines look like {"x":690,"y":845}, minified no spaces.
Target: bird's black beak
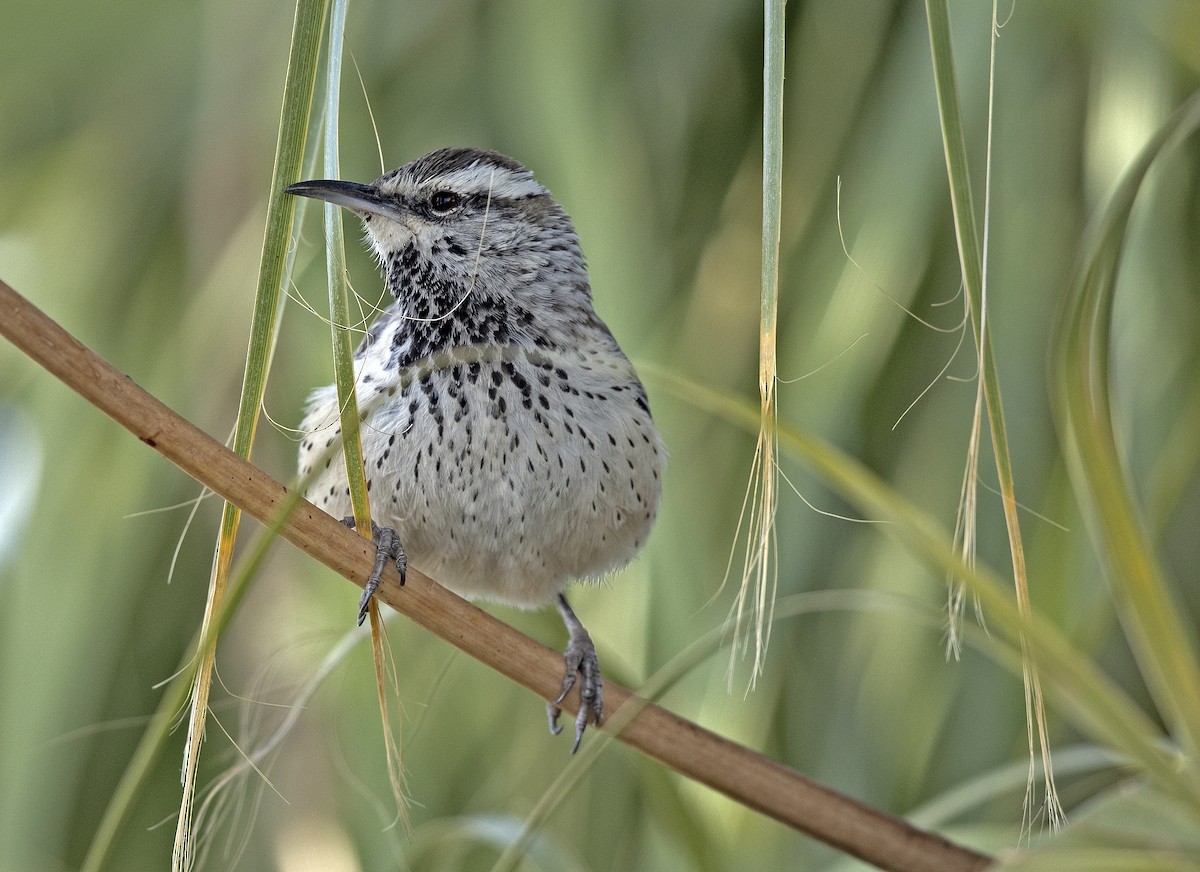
{"x":359,"y":198}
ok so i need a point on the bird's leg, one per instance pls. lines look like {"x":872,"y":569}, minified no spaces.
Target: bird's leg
{"x":387,"y":547}
{"x":579,"y":659}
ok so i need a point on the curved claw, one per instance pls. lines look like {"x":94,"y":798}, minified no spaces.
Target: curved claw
{"x":387,"y":547}
{"x":579,"y":659}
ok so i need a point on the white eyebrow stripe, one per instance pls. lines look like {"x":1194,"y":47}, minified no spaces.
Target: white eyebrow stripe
{"x":479,"y":178}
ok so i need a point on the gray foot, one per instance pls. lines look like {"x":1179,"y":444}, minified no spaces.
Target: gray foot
{"x":579,"y":659}
{"x":387,"y":547}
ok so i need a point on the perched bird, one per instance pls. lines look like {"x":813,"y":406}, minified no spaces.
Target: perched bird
{"x":507,"y":440}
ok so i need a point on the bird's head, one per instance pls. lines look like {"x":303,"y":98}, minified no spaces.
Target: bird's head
{"x":459,"y":217}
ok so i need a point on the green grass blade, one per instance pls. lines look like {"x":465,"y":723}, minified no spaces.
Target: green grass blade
{"x":970,"y":256}
{"x":1164,"y":647}
{"x":339,"y":287}
{"x":970,"y":251}
{"x":344,"y":376}
{"x":268,"y":300}
{"x":756,"y":593}
{"x":772,"y":189}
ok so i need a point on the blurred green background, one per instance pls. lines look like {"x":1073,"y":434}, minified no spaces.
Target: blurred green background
{"x":134,"y":166}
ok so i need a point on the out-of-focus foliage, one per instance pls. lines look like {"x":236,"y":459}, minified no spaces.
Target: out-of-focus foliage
{"x":134,"y":162}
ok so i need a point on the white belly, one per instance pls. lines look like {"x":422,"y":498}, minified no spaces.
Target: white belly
{"x":505,"y":479}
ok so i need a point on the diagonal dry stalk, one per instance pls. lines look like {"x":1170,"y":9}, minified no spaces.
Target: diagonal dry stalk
{"x":744,"y":775}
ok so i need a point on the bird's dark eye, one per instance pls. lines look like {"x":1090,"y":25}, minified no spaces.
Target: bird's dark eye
{"x":443,"y":202}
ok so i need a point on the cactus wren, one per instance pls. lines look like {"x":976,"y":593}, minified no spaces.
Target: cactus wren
{"x":507,"y":440}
